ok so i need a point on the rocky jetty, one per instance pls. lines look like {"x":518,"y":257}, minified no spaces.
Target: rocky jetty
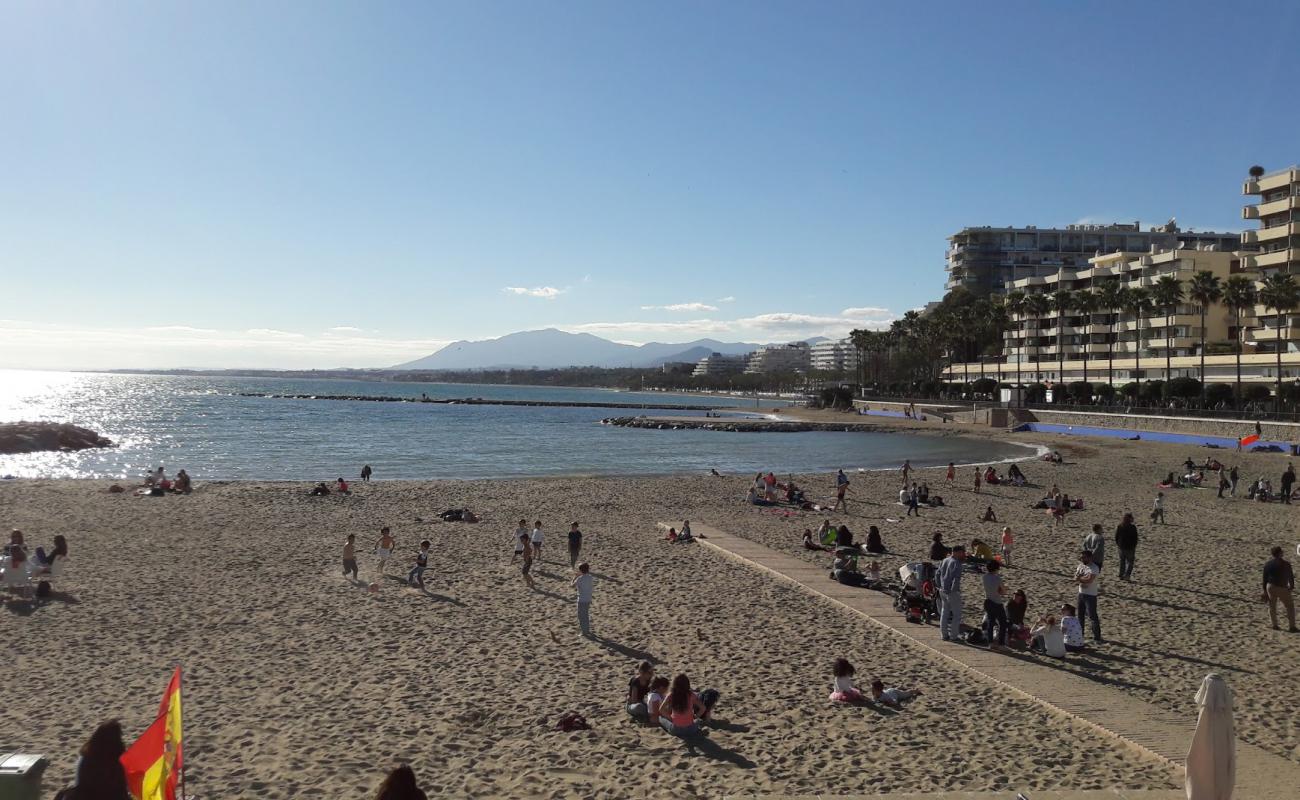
{"x":41,"y":437}
{"x":731,"y":425}
{"x":477,"y":401}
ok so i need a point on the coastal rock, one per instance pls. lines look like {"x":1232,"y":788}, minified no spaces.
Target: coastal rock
{"x":736,"y":426}
{"x":40,"y":437}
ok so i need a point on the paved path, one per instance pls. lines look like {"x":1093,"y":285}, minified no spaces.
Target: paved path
{"x":1100,"y":794}
{"x":1151,"y":730}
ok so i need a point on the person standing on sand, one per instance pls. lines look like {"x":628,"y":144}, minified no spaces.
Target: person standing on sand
{"x":995,"y":611}
{"x":841,"y":479}
{"x":1223,"y":479}
{"x":1288,"y":480}
{"x":1008,"y":542}
{"x":1232,"y":480}
{"x":1095,"y":543}
{"x":952,"y":472}
{"x":416,"y":576}
{"x":366,"y":472}
{"x":950,"y":571}
{"x":1158,"y":509}
{"x":1088,"y":577}
{"x":521,"y":532}
{"x":537,"y":540}
{"x":840,"y":502}
{"x":584,"y":583}
{"x":527,"y":566}
{"x":1279,"y":585}
{"x":907,"y":470}
{"x":384,"y":549}
{"x":350,"y":557}
{"x":1126,"y":539}
{"x":913,"y":501}
{"x":575,"y":542}
{"x":977,"y":480}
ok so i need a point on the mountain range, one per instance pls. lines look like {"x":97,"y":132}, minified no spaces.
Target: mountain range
{"x":554,"y":349}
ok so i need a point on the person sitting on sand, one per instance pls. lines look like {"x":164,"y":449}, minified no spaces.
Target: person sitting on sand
{"x":182,"y":485}
{"x":671,"y":537}
{"x":341,"y":486}
{"x":752,"y":497}
{"x":809,"y":544}
{"x":1016,"y":475}
{"x":892,"y":697}
{"x":989,"y":515}
{"x":1071,"y":628}
{"x":321,"y":490}
{"x":874,"y":543}
{"x":52,"y":562}
{"x":684,"y":536}
{"x":680,"y":710}
{"x":655,"y":698}
{"x":938,"y":550}
{"x":904,"y":496}
{"x":99,"y":769}
{"x":979,"y":553}
{"x":872,"y":576}
{"x":1169,"y":481}
{"x":844,"y":537}
{"x":16,"y":543}
{"x":843,"y":690}
{"x":637,"y":689}
{"x":400,"y":785}
{"x":1016,"y":608}
{"x":1049,"y":638}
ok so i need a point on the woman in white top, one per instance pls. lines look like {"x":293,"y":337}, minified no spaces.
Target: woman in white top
{"x":1047,"y":634}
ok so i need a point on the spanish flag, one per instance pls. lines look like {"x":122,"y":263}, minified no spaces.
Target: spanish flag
{"x":153,"y":763}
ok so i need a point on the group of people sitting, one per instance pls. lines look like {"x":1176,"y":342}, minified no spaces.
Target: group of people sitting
{"x":322,"y":489}
{"x":684,"y":536}
{"x":768,"y":491}
{"x":1014,"y":476}
{"x":675,"y":707}
{"x":18,"y":568}
{"x":157,"y":483}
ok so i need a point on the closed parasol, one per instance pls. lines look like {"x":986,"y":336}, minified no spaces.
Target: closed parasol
{"x":1212,"y":758}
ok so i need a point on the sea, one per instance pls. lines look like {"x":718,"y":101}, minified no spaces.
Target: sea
{"x":210,"y":427}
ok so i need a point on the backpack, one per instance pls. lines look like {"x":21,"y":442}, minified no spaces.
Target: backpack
{"x":572,"y":721}
{"x":43,"y":589}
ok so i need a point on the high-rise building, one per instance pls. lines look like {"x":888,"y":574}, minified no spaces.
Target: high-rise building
{"x":720,"y":364}
{"x":834,"y":355}
{"x":770,"y":358}
{"x":1278,"y":242}
{"x":982,"y":260}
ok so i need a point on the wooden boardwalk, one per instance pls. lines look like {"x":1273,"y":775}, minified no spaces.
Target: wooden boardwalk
{"x":1150,"y":730}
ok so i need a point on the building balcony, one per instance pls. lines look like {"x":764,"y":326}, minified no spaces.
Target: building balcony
{"x":1270,"y":234}
{"x":1273,"y":207}
{"x":1177,"y":343}
{"x":1270,"y":260}
{"x":1268,"y":183}
{"x":1266,"y":335}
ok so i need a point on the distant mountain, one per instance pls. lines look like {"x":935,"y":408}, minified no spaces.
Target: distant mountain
{"x":553,"y":349}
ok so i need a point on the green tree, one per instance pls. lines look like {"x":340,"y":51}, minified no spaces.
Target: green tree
{"x":1138,"y":301}
{"x":1204,"y":290}
{"x":1167,"y":293}
{"x":1111,"y":296}
{"x":1037,"y":305}
{"x":1279,"y":292}
{"x":1238,"y":295}
{"x":1086,"y":303}
{"x":1015,"y":306}
{"x":1062,"y":301}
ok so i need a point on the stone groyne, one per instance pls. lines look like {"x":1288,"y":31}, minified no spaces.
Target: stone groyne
{"x":731,"y":425}
{"x":42,"y":437}
{"x":478,"y":401}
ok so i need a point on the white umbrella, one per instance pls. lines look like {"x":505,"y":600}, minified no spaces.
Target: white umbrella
{"x":1212,"y":759}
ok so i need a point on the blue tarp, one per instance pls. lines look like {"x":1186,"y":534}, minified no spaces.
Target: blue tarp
{"x":1224,"y":442}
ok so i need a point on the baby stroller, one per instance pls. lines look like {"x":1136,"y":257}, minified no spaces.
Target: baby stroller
{"x":916,"y":597}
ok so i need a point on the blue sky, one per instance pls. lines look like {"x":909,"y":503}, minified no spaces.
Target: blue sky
{"x":328,"y":184}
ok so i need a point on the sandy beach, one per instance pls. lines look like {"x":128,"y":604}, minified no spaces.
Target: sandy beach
{"x":299,"y":683}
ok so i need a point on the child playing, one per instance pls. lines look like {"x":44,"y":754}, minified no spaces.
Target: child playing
{"x":873,"y":575}
{"x":522,"y":530}
{"x":1071,"y":628}
{"x":350,"y":556}
{"x":416,"y":575}
{"x":892,"y":697}
{"x":1008,"y":541}
{"x":528,"y":560}
{"x":384,"y":549}
{"x":537,"y":540}
{"x":844,"y":692}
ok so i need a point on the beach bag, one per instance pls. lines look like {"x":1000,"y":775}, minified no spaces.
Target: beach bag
{"x":572,"y":721}
{"x":453,"y":515}
{"x":43,"y":589}
{"x":975,"y":636}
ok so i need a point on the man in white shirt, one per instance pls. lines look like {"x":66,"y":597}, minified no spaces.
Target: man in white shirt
{"x":585,"y":583}
{"x":1088,"y":576}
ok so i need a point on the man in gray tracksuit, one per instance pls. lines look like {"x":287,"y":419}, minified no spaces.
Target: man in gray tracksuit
{"x":950,"y":570}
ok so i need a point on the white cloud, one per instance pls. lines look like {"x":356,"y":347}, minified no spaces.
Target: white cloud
{"x":778,"y":326}
{"x":693,"y":328}
{"x":345,"y":329}
{"x":544,"y":292}
{"x":868,"y":312}
{"x":692,"y":307}
{"x":178,"y":329}
{"x":273,"y":332}
{"x":727,"y":299}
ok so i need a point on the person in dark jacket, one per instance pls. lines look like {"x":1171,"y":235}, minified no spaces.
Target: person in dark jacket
{"x":1288,"y":481}
{"x":99,"y":770}
{"x":1126,"y":539}
{"x":938,"y":550}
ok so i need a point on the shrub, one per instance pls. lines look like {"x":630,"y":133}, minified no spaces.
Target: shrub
{"x":1081,"y":392}
{"x":1130,"y":389}
{"x":984,"y":386}
{"x":1105,"y":391}
{"x":1216,"y":393}
{"x":1184,"y":388}
{"x":1255,"y":392}
{"x":1153,"y":390}
{"x":1035,"y":393}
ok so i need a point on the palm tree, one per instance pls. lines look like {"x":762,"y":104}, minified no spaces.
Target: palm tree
{"x":1085,"y":302}
{"x":1204,"y":290}
{"x":1138,"y":301}
{"x":1062,"y":302}
{"x":1279,"y":292}
{"x":1015,"y":306}
{"x":1037,"y":305}
{"x":1110,"y":296}
{"x":991,"y":318}
{"x":1238,"y":295}
{"x":1167,"y":293}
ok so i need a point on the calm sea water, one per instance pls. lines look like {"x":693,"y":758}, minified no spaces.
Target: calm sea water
{"x":201,"y":425}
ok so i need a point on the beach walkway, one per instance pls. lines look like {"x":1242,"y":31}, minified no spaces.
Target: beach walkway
{"x":1147,"y":728}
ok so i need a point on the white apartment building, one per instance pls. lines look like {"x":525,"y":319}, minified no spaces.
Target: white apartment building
{"x":1278,"y":242}
{"x":770,"y":358}
{"x":715,"y":364}
{"x":834,"y":356}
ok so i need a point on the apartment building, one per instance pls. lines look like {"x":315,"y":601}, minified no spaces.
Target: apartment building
{"x":984,"y":259}
{"x":715,"y":364}
{"x":1277,"y":240}
{"x":836,"y":355}
{"x":1106,"y":335}
{"x":770,"y":358}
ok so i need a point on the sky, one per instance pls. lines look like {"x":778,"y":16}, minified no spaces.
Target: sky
{"x":347,"y":184}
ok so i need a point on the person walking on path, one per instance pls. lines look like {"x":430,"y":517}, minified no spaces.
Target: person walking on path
{"x":995,"y":611}
{"x":1126,"y":539}
{"x":1088,"y":577}
{"x":584,"y":583}
{"x":950,"y":570}
{"x":366,"y":472}
{"x":1158,"y":509}
{"x":575,"y":542}
{"x":1279,"y":584}
{"x":1288,"y":480}
{"x":1095,"y":543}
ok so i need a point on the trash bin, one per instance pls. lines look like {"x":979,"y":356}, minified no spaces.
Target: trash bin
{"x":20,"y":775}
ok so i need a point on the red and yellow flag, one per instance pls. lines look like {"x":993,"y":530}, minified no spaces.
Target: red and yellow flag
{"x":154,"y":762}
